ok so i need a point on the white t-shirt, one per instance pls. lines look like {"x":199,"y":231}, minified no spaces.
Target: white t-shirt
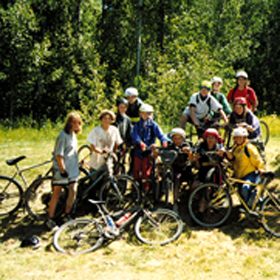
{"x":102,"y":139}
{"x":202,"y":106}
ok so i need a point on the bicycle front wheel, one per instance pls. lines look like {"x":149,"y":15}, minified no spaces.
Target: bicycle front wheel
{"x":270,"y":213}
{"x":265,"y":132}
{"x":38,"y":196}
{"x":78,"y":236}
{"x":158,"y":227}
{"x":120,"y":193}
{"x":210,"y":205}
{"x":11,"y":196}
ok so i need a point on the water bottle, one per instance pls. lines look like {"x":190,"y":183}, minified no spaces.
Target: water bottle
{"x":123,"y":219}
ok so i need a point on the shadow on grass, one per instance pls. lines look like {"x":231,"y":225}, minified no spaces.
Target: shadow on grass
{"x":236,"y":225}
{"x":19,"y":226}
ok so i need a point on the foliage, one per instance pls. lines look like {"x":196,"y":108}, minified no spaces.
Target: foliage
{"x":57,"y":56}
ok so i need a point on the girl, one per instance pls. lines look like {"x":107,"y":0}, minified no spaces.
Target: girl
{"x":65,"y":165}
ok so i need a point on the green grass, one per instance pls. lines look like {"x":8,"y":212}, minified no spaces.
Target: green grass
{"x":238,"y":250}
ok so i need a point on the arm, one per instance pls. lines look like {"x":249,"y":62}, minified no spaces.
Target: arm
{"x":226,"y":106}
{"x":61,"y":164}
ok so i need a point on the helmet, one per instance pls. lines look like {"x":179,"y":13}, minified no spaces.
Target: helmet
{"x":212,"y":132}
{"x":177,"y":131}
{"x":241,"y":73}
{"x":206,"y":84}
{"x":216,"y":80}
{"x":30,"y":241}
{"x":121,"y":101}
{"x":240,"y":131}
{"x":240,"y":101}
{"x":146,"y":108}
{"x":131,"y":91}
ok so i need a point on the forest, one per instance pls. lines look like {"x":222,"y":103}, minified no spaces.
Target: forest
{"x":56,"y":56}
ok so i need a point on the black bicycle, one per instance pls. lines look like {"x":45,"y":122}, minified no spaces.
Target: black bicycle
{"x":118,"y":192}
{"x":11,"y":191}
{"x":153,"y":227}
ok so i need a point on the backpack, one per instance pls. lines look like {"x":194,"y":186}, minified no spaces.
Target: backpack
{"x":208,"y":102}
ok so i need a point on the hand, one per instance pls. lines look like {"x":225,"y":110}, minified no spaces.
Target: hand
{"x":143,"y":146}
{"x":105,"y":150}
{"x":64,"y":174}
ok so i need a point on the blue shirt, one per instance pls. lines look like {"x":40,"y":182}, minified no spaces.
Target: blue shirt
{"x":146,"y":132}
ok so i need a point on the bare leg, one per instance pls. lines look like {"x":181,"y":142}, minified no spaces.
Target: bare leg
{"x":54,"y":200}
{"x":70,"y":198}
{"x":183,"y":121}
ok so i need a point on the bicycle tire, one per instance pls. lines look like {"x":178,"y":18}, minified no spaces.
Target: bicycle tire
{"x":11,"y":196}
{"x":265,"y":132}
{"x":210,"y":205}
{"x":79,"y":236}
{"x":37,"y":199}
{"x":158,"y":227}
{"x":270,"y":216}
{"x":120,"y":196}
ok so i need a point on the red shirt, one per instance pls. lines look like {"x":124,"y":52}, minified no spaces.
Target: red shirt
{"x":247,"y":92}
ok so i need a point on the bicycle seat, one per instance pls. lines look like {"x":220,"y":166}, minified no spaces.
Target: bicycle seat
{"x":14,"y":161}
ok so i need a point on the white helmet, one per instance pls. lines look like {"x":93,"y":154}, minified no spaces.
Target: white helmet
{"x":216,"y":80}
{"x":131,"y":91}
{"x":178,"y":131}
{"x":240,"y":132}
{"x":146,"y":108}
{"x":241,"y":73}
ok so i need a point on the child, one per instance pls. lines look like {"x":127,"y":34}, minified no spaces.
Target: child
{"x":103,"y":139}
{"x":134,"y":104}
{"x":123,"y":122}
{"x":65,"y":165}
{"x":247,"y":163}
{"x":144,"y":135}
{"x":212,"y":142}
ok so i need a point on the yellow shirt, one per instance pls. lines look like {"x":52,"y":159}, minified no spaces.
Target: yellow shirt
{"x":242,"y":164}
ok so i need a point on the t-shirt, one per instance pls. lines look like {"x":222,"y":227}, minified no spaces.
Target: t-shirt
{"x":247,"y":93}
{"x":66,"y":146}
{"x":203,"y":106}
{"x":102,"y":139}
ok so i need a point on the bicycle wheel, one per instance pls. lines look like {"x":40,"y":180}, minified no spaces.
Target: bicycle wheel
{"x":270,"y":211}
{"x":210,"y":205}
{"x":11,"y":196}
{"x":119,"y":194}
{"x":38,"y":196}
{"x":158,"y":227}
{"x":78,"y":236}
{"x":265,"y":132}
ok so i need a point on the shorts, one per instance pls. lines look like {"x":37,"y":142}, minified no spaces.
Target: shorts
{"x":58,"y":180}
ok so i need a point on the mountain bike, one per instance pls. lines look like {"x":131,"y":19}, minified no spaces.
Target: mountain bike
{"x":153,"y":227}
{"x":118,"y":192}
{"x":210,"y":204}
{"x":11,"y":191}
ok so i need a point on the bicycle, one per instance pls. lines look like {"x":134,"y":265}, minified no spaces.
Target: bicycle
{"x":118,"y":192}
{"x":11,"y":191}
{"x":80,"y":236}
{"x":210,"y":204}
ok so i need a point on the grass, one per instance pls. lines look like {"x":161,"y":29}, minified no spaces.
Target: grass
{"x":238,"y":250}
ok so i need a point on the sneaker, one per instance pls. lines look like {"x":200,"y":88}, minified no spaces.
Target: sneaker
{"x":51,"y":224}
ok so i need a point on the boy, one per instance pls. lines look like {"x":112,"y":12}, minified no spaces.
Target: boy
{"x":144,"y":134}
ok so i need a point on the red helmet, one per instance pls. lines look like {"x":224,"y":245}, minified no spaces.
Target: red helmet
{"x":211,"y":132}
{"x":240,"y":101}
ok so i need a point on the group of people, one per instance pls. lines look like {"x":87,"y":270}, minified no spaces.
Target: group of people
{"x":134,"y":126}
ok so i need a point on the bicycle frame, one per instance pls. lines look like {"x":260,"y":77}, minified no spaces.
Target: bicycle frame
{"x":19,"y":172}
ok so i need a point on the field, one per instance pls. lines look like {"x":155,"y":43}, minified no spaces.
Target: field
{"x":238,"y":250}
